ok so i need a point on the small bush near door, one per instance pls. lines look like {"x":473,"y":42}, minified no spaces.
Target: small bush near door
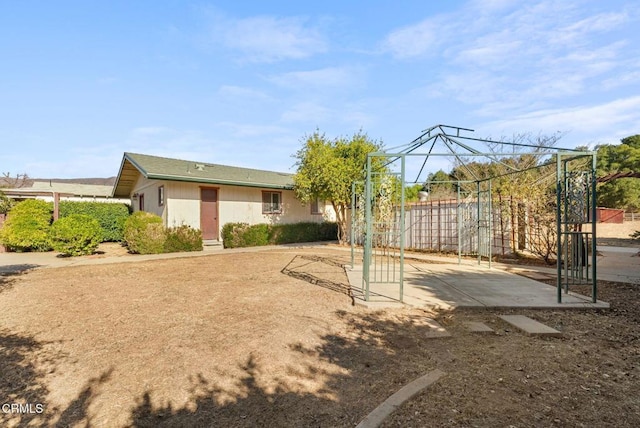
{"x":183,"y":238}
{"x":145,"y":234}
{"x":236,"y":235}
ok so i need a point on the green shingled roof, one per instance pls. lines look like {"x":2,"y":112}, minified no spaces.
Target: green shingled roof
{"x":159,"y":168}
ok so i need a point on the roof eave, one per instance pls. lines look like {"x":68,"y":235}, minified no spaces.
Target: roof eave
{"x":126,"y":158}
{"x":169,"y":177}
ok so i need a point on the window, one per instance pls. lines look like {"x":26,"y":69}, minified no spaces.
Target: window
{"x":316,"y":205}
{"x":271,"y":202}
{"x":141,"y":201}
{"x":160,"y":196}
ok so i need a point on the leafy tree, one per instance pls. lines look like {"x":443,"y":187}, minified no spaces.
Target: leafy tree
{"x":623,"y":192}
{"x":411,"y":192}
{"x":531,"y":190}
{"x":440,"y":185}
{"x":327,"y":169}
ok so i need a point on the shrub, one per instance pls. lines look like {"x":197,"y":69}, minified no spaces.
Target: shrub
{"x":230,"y":233}
{"x":27,"y":226}
{"x":303,"y":232}
{"x":111,"y":216}
{"x":236,"y":235}
{"x":243,"y":235}
{"x":76,"y":234}
{"x":5,"y":203}
{"x":144,"y":233}
{"x":183,"y":238}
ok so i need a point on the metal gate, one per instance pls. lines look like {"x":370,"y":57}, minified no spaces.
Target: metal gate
{"x":383,"y":261}
{"x":576,"y":226}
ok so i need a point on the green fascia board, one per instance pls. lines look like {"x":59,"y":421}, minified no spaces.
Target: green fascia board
{"x":216,"y":181}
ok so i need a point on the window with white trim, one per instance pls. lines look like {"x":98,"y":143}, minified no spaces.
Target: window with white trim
{"x":271,"y":202}
{"x":160,"y":196}
{"x":316,"y":205}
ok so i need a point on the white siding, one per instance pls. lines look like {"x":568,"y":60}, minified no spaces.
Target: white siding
{"x":235,"y":204}
{"x":149,"y":188}
{"x":183,"y":204}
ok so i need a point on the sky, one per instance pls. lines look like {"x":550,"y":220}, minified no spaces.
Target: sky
{"x":243,"y":82}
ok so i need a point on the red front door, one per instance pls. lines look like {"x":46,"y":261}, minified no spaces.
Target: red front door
{"x":209,"y":213}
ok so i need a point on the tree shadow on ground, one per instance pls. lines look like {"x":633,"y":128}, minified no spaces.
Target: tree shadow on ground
{"x":253,"y":405}
{"x":24,"y":365}
{"x":9,"y":273}
{"x":21,"y":380}
{"x":77,"y":410}
{"x":352,"y":373}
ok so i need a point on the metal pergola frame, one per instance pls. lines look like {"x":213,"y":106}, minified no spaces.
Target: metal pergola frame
{"x":567,"y":239}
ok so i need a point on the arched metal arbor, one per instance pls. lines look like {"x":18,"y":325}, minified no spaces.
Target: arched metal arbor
{"x":381,"y":205}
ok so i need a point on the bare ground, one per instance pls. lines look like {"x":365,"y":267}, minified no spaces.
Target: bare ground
{"x":272,"y":339}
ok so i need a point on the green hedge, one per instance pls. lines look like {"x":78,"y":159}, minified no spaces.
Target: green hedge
{"x":27,"y":226}
{"x":236,"y":235}
{"x":76,"y":235}
{"x":111,"y":216}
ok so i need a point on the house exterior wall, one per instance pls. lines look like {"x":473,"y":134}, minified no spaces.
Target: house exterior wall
{"x":235,"y":204}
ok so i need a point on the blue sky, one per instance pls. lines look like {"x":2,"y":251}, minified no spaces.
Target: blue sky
{"x":242,"y":82}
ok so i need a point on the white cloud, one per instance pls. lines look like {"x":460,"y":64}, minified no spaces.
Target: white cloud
{"x":244,"y":130}
{"x":232,"y":91}
{"x":307,"y":112}
{"x":593,"y":120}
{"x":268,"y":38}
{"x":510,"y":58}
{"x":416,"y":40}
{"x":324,"y":77}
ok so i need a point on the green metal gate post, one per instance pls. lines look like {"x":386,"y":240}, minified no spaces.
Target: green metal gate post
{"x":368,"y":230}
{"x":353,"y":221}
{"x":401,"y":228}
{"x":594,"y":291}
{"x":559,"y":235}
{"x":459,"y":212}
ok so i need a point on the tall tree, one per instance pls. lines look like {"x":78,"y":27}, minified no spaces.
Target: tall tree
{"x":621,"y":193}
{"x":327,"y":169}
{"x":440,"y":185}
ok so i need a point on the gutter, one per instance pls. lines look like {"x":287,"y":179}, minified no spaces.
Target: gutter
{"x":218,"y":181}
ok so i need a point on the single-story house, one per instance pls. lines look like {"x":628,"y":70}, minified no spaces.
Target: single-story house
{"x":207,"y":196}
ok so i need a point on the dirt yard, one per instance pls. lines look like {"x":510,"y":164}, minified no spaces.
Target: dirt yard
{"x":272,"y":339}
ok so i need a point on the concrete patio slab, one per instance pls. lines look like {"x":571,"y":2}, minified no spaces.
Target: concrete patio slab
{"x":530,"y":326}
{"x":479,"y":327}
{"x":447,"y":286}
